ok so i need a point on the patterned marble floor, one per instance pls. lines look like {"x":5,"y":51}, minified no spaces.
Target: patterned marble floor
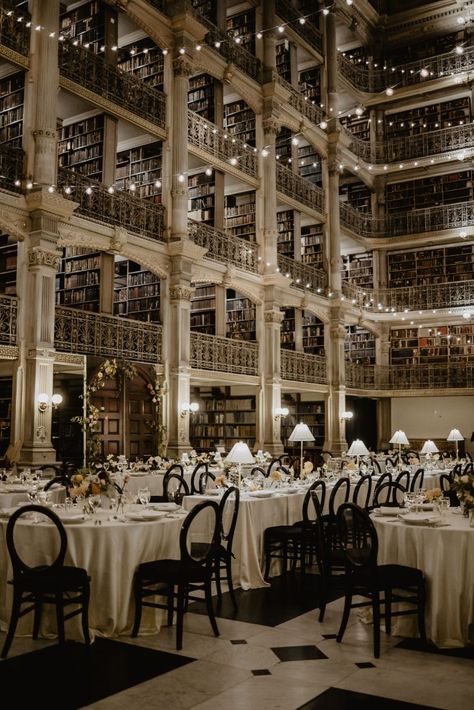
{"x":273,"y":654}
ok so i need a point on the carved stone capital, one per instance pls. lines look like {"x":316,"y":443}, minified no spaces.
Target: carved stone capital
{"x":270,"y":125}
{"x":43,"y":257}
{"x":119,"y":239}
{"x":273,"y":317}
{"x":181,"y":293}
{"x":182,"y":66}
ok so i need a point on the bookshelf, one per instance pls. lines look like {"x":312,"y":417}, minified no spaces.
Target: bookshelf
{"x":424,"y":48}
{"x":141,"y":167}
{"x":312,"y":414}
{"x":239,"y":121}
{"x":283,"y":60}
{"x":207,"y":8}
{"x":283,"y":145}
{"x":144,"y":59}
{"x":222,"y":420}
{"x":201,"y":96}
{"x":429,"y":192}
{"x":309,"y":164}
{"x":12,"y":91}
{"x":81,"y":146}
{"x":312,"y":245}
{"x":85,"y":24}
{"x":358,"y":269}
{"x":8,"y":262}
{"x":357,"y":195}
{"x":201,"y":197}
{"x":240,"y":316}
{"x":436,"y":345}
{"x":239,"y":214}
{"x":359,"y":126}
{"x":203,"y":309}
{"x":6,"y":391}
{"x":428,"y":118}
{"x":136,"y":292}
{"x":78,"y":281}
{"x":429,"y":266}
{"x":359,"y":345}
{"x":242,"y":25}
{"x":288,"y":329}
{"x":309,"y":84}
{"x":313,"y":334}
{"x":286,"y":236}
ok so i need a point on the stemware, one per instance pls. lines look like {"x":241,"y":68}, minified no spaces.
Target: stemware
{"x":144,"y":495}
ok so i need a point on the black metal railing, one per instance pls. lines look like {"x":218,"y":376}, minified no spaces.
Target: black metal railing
{"x":14,"y":33}
{"x":12,"y":161}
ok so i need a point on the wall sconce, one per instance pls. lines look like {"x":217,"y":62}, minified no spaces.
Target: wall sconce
{"x":346,"y":416}
{"x":44,"y":401}
{"x":189,"y":408}
{"x":281,"y":412}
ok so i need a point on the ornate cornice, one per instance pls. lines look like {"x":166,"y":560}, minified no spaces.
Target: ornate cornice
{"x":43,"y":257}
{"x":13,"y":224}
{"x":69,"y":359}
{"x":182,"y":66}
{"x":51,"y":202}
{"x":8,"y":352}
{"x":181,"y":293}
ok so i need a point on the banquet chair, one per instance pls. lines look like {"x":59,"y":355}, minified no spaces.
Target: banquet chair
{"x":391,"y":494}
{"x":363,"y":490}
{"x":445,"y":483}
{"x":178,"y":579}
{"x":469,"y":468}
{"x":223,"y":554}
{"x":51,"y":468}
{"x":60,"y":480}
{"x":456,"y":470}
{"x":174,"y":473}
{"x":403,"y":479}
{"x":344,"y":485}
{"x":375,"y":463}
{"x":258,"y":469}
{"x":290,"y":543}
{"x":417,"y":480}
{"x":274,"y":463}
{"x":200,"y":478}
{"x":384,"y":478}
{"x":364,"y":577}
{"x":53,"y":583}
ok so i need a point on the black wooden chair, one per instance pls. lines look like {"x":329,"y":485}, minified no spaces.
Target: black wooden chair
{"x":362,"y":495}
{"x":390,"y":494}
{"x":274,"y":464}
{"x":178,"y":579}
{"x":340,"y":494}
{"x":224,"y":554}
{"x":403,"y":479}
{"x":376,"y":464}
{"x":60,"y":480}
{"x":364,"y":577}
{"x":200,"y":478}
{"x":445,"y":483}
{"x":53,"y":583}
{"x":173,"y":484}
{"x":258,"y":469}
{"x":417,"y":480}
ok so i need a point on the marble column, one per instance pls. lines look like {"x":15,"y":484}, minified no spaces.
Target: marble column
{"x":182,"y":70}
{"x":270,"y":228}
{"x":272,"y":319}
{"x":335,"y":433}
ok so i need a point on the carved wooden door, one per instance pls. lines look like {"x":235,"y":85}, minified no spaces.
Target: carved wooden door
{"x":109,"y":401}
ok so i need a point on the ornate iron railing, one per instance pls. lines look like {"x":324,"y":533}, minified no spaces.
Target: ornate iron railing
{"x":12,"y":162}
{"x":212,"y":352}
{"x":13,"y":34}
{"x":431,"y":219}
{"x":401,"y":377}
{"x":307,"y":31}
{"x":126,"y":90}
{"x":137,"y":215}
{"x":302,"y":276}
{"x":301,"y":367}
{"x":301,"y":103}
{"x":207,"y":136}
{"x":224,"y":247}
{"x":233,"y":52}
{"x":367,"y":151}
{"x":8,"y":319}
{"x":77,"y":331}
{"x":300,"y":189}
{"x":456,"y":294}
{"x":362,"y":223}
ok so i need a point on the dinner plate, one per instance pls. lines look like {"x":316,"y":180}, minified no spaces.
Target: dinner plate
{"x":420,"y":519}
{"x":168,"y":507}
{"x":261,"y":494}
{"x":145,"y":515}
{"x":72,"y":519}
{"x":390,"y":510}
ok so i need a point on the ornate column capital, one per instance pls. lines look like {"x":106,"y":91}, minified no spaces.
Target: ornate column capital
{"x":181,"y":293}
{"x":43,"y":257}
{"x":270,"y":125}
{"x":273,"y":317}
{"x":182,"y":66}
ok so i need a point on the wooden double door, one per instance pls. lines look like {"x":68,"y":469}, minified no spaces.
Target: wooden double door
{"x":125,"y":418}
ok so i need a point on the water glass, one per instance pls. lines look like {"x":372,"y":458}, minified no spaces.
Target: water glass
{"x":144,"y":495}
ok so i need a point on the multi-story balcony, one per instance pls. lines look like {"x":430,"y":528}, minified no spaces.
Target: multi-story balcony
{"x":213,"y":352}
{"x":217,"y":143}
{"x":458,"y":294}
{"x":97,"y":203}
{"x":224,"y":247}
{"x":88,"y":70}
{"x":301,"y":103}
{"x":302,"y":276}
{"x":360,"y":223}
{"x":13,"y":34}
{"x":77,"y":331}
{"x":401,"y":377}
{"x":299,"y":189}
{"x":12,"y":162}
{"x":231,"y":51}
{"x":8,"y":319}
{"x":307,"y":31}
{"x":302,"y":367}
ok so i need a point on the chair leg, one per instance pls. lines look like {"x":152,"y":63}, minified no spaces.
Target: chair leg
{"x":210,"y":609}
{"x":180,"y":618}
{"x":376,"y":614}
{"x":388,"y":611}
{"x":15,"y":615}
{"x":285,"y":558}
{"x":60,"y":617}
{"x":230,"y":584}
{"x":268,"y":560}
{"x":421,"y":611}
{"x":217,"y":573}
{"x":170,"y":600}
{"x":138,"y":606}
{"x":345,"y":615}
{"x":85,"y":614}
{"x":37,"y":616}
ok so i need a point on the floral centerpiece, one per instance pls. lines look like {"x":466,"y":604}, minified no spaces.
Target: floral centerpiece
{"x":89,"y":482}
{"x":463,"y":484}
{"x":433,"y":494}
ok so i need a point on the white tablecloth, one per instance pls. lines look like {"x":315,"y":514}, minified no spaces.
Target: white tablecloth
{"x":110,"y":553}
{"x":13,"y":494}
{"x":152,"y":480}
{"x":446,"y":556}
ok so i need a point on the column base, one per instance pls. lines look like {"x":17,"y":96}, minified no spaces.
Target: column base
{"x":174,"y":451}
{"x":336,"y":446}
{"x":275,"y":449}
{"x":37,"y":456}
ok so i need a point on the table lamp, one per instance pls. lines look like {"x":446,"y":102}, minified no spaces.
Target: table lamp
{"x":400,"y":438}
{"x":429,"y":447}
{"x":358,"y":448}
{"x":456,"y":436}
{"x":301,"y":433}
{"x":239,"y":454}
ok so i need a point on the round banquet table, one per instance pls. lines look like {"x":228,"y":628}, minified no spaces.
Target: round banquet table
{"x":152,"y":480}
{"x":12,"y":494}
{"x":110,"y":553}
{"x":446,"y":556}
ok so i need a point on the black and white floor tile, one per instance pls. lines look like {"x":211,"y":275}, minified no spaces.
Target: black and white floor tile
{"x":271,"y":654}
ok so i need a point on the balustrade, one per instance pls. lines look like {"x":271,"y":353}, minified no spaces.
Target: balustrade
{"x":297,"y":187}
{"x":8,"y":319}
{"x":126,"y":90}
{"x":401,"y":377}
{"x":234,"y":53}
{"x":77,"y":331}
{"x":302,"y":276}
{"x":224,"y":247}
{"x":361,"y":223}
{"x":301,"y":103}
{"x":212,"y":352}
{"x":137,"y":215}
{"x":13,"y":34}
{"x":307,"y":31}
{"x":12,"y":162}
{"x":302,"y":367}
{"x":456,"y":294}
{"x":213,"y":140}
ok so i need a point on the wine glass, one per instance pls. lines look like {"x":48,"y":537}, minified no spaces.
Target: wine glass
{"x":144,"y":495}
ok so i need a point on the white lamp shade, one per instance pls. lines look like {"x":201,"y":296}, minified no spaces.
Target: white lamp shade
{"x":301,"y":432}
{"x":400,"y":438}
{"x":429,"y":447}
{"x":358,"y":448}
{"x":240,"y":453}
{"x":455,"y":435}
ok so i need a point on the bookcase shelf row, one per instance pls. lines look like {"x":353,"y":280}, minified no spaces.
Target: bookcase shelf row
{"x":12,"y":90}
{"x":428,"y":266}
{"x":358,"y":269}
{"x":435,"y":345}
{"x":429,"y":192}
{"x":359,"y":345}
{"x":311,"y":413}
{"x":222,"y":420}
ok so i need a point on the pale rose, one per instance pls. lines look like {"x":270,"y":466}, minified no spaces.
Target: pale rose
{"x":275,"y":476}
{"x":307,"y":467}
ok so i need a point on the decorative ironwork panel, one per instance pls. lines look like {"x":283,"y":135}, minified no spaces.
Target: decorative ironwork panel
{"x":400,"y":377}
{"x":292,"y":185}
{"x":13,"y":34}
{"x":224,"y":247}
{"x":431,"y":219}
{"x":134,"y":214}
{"x":456,"y":138}
{"x":362,"y":223}
{"x":302,"y":275}
{"x":90,"y":70}
{"x":234,"y":53}
{"x":212,"y":352}
{"x":8,"y":319}
{"x":302,"y":104}
{"x":12,"y":162}
{"x":307,"y":31}
{"x":207,"y":136}
{"x":302,"y":367}
{"x":456,"y":294}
